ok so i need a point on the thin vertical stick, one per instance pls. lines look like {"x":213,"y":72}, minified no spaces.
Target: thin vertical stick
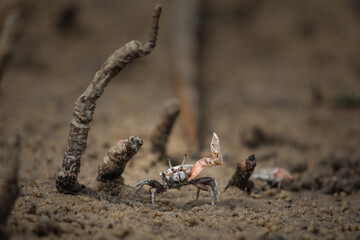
{"x":185,"y":65}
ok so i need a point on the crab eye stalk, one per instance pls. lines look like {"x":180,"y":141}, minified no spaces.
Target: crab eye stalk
{"x":184,"y":159}
{"x":169,"y":161}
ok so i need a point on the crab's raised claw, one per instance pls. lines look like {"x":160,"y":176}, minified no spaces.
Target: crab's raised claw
{"x":216,"y":159}
{"x":215,"y":150}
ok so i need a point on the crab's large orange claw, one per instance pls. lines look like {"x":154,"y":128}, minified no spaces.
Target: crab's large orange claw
{"x":198,"y":167}
{"x":216,"y":159}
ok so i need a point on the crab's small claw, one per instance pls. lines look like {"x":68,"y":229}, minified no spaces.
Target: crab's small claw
{"x":216,"y":159}
{"x":155,"y":188}
{"x":207,"y":184}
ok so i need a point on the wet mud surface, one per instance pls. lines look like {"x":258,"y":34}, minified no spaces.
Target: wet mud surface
{"x":279,"y":80}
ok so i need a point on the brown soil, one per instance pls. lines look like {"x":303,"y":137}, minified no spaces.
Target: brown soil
{"x":290,"y":69}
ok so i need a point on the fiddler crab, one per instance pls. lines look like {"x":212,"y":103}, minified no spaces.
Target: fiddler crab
{"x":273,"y":176}
{"x":185,"y":174}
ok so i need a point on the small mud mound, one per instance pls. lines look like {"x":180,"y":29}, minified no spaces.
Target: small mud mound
{"x":334,"y":174}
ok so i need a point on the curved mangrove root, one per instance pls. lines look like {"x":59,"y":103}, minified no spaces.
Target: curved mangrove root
{"x":66,"y":181}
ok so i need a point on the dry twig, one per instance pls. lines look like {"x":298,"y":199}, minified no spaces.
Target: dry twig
{"x":160,"y":136}
{"x":242,"y":174}
{"x":186,"y":67}
{"x":9,"y":189}
{"x":85,"y":105}
{"x":9,"y":34}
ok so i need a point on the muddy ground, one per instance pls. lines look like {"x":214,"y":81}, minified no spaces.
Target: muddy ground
{"x":288,"y":69}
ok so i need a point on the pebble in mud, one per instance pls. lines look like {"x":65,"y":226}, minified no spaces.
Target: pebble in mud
{"x":288,"y":229}
{"x":44,"y":228}
{"x":261,"y":222}
{"x":158,"y":222}
{"x":256,"y":196}
{"x":274,"y":224}
{"x":190,"y":221}
{"x":344,"y":207}
{"x":271,"y":192}
{"x":37,"y":194}
{"x":312,"y":228}
{"x":283,"y":195}
{"x":31,"y":210}
{"x":273,"y":228}
{"x":353,"y":227}
{"x":196,"y":209}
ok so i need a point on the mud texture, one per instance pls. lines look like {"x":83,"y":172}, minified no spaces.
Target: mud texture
{"x":259,"y":61}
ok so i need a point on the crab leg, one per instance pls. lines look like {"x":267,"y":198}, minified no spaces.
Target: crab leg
{"x":197,"y":194}
{"x":216,"y":159}
{"x":207,"y":184}
{"x":278,"y":181}
{"x":153,"y":193}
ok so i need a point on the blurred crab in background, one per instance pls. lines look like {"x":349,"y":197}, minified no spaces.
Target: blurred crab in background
{"x":273,"y":176}
{"x":185,"y":174}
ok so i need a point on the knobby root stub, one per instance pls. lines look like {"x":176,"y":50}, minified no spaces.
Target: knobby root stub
{"x":244,"y":170}
{"x":84,"y":108}
{"x":160,"y":136}
{"x":109,"y":172}
{"x":117,"y":157}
